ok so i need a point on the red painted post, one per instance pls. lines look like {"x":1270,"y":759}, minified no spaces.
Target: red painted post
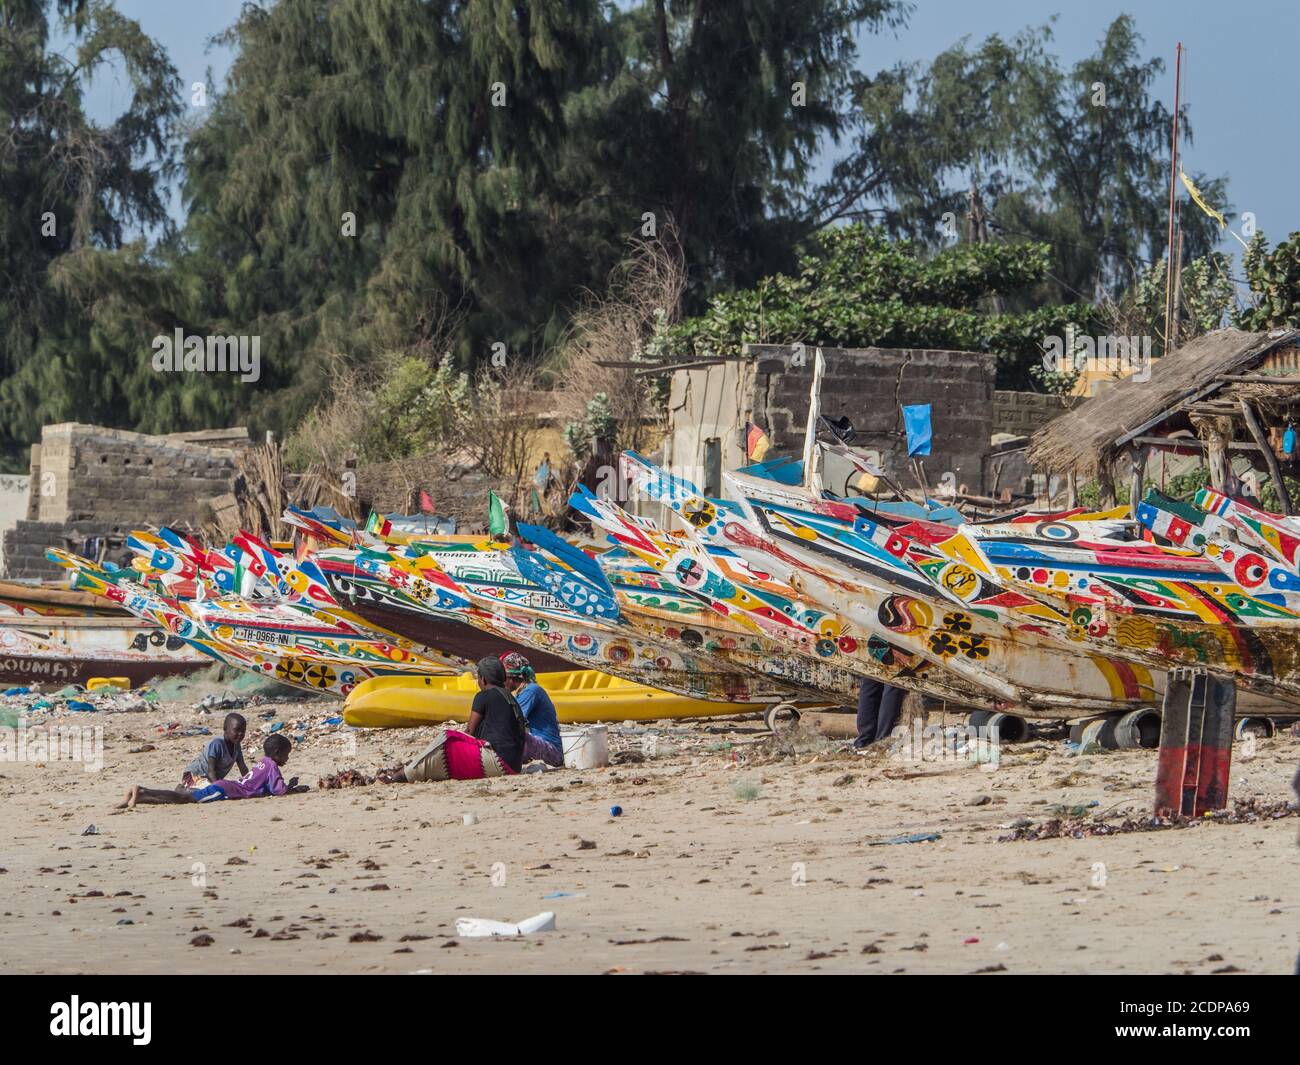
{"x":1195,"y":744}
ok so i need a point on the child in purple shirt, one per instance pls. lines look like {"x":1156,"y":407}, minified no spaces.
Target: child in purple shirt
{"x":264,"y":779}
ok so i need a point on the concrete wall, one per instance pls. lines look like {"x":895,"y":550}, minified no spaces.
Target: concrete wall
{"x":23,"y":546}
{"x":88,"y":473}
{"x":14,"y":499}
{"x":868,"y":385}
{"x":1023,"y":413}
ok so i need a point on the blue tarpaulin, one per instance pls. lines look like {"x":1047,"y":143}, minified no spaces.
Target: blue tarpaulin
{"x":916,"y":420}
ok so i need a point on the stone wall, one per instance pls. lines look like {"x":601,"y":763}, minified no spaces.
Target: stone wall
{"x":22,"y":548}
{"x":1024,"y":413}
{"x":868,"y":385}
{"x":89,"y":473}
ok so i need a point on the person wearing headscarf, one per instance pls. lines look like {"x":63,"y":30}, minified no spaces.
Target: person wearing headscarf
{"x":543,"y":740}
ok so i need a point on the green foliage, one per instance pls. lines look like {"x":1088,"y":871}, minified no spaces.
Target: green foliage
{"x":1077,"y":158}
{"x":856,"y":288}
{"x":1206,"y":296}
{"x":70,"y":185}
{"x":1274,"y":278}
{"x":1268,"y":497}
{"x":355,"y":199}
{"x":417,"y":406}
{"x":598,"y":423}
{"x":1183,"y":486}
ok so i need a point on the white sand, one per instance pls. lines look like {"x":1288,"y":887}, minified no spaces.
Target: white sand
{"x":698,"y":874}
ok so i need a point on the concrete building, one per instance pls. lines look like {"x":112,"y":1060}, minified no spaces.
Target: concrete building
{"x":769,"y":385}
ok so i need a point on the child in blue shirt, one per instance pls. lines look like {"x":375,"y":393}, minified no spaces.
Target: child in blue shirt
{"x":217,"y":758}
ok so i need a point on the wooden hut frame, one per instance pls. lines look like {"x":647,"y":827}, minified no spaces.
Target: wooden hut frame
{"x":1226,"y":386}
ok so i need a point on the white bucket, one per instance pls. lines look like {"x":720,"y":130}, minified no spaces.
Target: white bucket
{"x":585,"y":748}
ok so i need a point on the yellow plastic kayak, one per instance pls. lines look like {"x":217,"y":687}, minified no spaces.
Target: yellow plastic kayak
{"x":581,"y":696}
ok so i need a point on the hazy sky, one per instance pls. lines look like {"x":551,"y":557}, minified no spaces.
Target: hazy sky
{"x":1237,"y":75}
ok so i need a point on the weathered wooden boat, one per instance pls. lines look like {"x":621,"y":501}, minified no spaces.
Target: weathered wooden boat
{"x":398,"y":601}
{"x":170,"y":616}
{"x":1125,"y":600}
{"x":526,"y":599}
{"x":60,"y":650}
{"x":302,"y":615}
{"x":853,"y":568}
{"x":52,"y":599}
{"x":827,"y":648}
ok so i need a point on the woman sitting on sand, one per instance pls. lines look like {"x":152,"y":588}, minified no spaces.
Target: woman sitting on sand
{"x":491,"y":746}
{"x":543,"y":739}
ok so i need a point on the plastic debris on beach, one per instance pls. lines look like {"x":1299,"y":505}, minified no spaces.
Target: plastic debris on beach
{"x":27,"y":702}
{"x":918,"y":837}
{"x":479,"y":926}
{"x":1244,"y":811}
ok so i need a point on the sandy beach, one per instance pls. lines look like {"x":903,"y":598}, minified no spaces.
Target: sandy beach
{"x":734,"y":852}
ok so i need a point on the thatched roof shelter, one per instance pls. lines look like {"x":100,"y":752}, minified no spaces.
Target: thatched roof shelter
{"x":1088,"y":440}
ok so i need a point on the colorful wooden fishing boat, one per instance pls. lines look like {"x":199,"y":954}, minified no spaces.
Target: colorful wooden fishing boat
{"x":70,"y":650}
{"x":853,"y":568}
{"x":170,"y":616}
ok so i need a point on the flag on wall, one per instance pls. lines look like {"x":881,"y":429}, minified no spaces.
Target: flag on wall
{"x":756,"y":442}
{"x":426,"y":502}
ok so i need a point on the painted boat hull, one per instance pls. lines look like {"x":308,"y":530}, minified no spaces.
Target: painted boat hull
{"x":70,"y":650}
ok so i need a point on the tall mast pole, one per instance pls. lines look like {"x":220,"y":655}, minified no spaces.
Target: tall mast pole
{"x":1173,"y":178}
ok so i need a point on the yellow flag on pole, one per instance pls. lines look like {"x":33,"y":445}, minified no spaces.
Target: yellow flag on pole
{"x":1195,"y":194}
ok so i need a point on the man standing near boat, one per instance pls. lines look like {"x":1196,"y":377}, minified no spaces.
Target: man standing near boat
{"x":878,"y":709}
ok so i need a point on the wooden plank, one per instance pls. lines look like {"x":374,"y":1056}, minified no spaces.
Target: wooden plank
{"x":1189,"y":441}
{"x":1252,"y":423}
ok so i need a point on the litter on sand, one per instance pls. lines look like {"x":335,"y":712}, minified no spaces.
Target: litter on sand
{"x":1244,"y":811}
{"x":917,"y":837}
{"x":470,"y":927}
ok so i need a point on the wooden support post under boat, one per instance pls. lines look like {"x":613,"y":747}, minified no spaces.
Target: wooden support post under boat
{"x":1135,"y":493}
{"x":1217,"y":434}
{"x":1270,"y":460}
{"x":1195,"y":743}
{"x":1106,"y":484}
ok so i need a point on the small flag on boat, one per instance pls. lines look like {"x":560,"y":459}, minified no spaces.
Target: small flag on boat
{"x":916,"y":420}
{"x":378,"y":525}
{"x":1163,"y":523}
{"x":426,"y":502}
{"x":497,"y":523}
{"x":756,"y":442}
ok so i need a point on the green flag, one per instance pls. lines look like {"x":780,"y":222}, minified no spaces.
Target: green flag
{"x":497,"y":524}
